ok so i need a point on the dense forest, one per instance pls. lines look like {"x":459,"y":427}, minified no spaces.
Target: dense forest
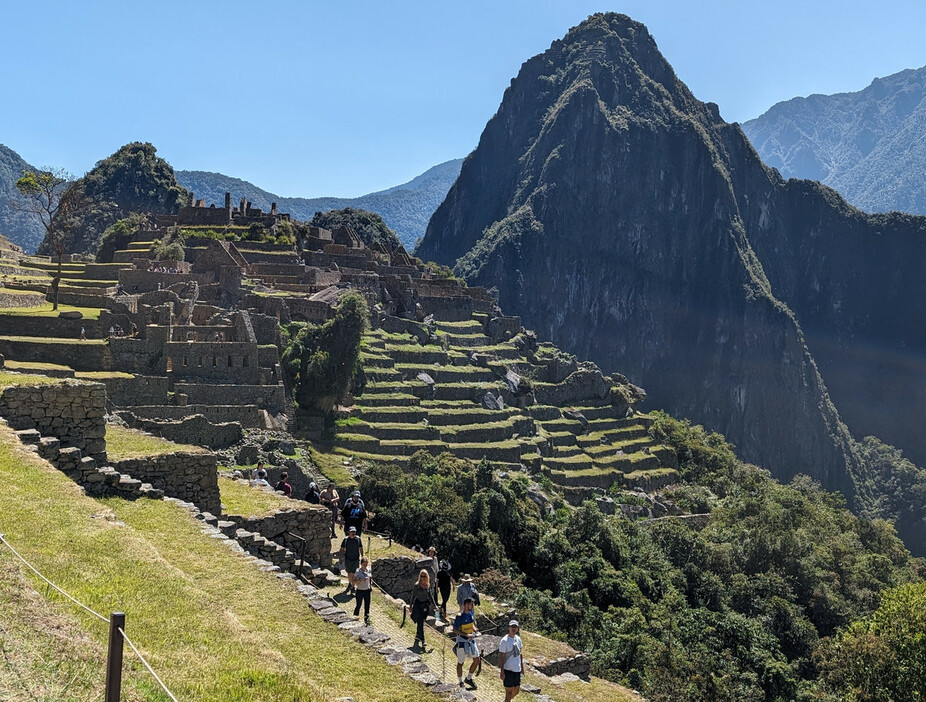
{"x":776,"y":598}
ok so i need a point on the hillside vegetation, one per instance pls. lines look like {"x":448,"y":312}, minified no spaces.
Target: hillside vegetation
{"x":19,"y":227}
{"x":737,"y":610}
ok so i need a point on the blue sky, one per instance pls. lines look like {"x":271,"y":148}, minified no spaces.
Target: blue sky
{"x":319,"y":98}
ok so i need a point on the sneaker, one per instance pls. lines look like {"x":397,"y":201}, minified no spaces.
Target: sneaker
{"x":472,"y":683}
{"x":366,"y":620}
{"x":461,"y":686}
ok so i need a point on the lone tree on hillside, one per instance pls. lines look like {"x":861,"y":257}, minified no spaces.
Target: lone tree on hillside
{"x":321,"y":360}
{"x":47,"y":197}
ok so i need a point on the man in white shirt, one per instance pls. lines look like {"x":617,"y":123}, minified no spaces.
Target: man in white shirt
{"x":509,"y":661}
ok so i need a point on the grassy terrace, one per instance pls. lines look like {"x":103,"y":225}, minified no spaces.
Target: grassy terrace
{"x":184,"y":596}
{"x":54,"y":340}
{"x":47,"y":310}
{"x":238,"y":497}
{"x":123,"y":443}
{"x":8,"y":379}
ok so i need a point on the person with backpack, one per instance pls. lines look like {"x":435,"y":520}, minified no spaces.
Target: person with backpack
{"x":444,"y":585}
{"x":331,"y":499}
{"x":351,"y":552}
{"x":283,"y":486}
{"x":464,"y":626}
{"x":313,"y":496}
{"x":354,"y":513}
{"x":509,"y":661}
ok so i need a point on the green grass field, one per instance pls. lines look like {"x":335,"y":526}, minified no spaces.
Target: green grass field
{"x":123,"y":443}
{"x":214,"y":627}
{"x":47,"y":311}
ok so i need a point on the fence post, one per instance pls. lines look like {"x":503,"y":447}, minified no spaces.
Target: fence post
{"x":114,"y":657}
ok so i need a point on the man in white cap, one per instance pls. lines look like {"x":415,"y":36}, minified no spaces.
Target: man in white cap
{"x":351,"y":552}
{"x":509,"y":660}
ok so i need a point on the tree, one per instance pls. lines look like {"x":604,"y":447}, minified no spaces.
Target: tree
{"x":47,"y":198}
{"x":369,"y":226}
{"x":321,"y":360}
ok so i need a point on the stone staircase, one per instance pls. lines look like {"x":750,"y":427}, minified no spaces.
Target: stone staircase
{"x":434,"y":397}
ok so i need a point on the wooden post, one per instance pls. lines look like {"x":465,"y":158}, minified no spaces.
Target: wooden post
{"x":114,"y":657}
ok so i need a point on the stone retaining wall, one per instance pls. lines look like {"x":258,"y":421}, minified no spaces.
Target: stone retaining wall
{"x":196,"y":430}
{"x":8,"y":299}
{"x":249,"y":416}
{"x":86,"y":356}
{"x":137,"y":390}
{"x":311,"y":523}
{"x":71,"y":411}
{"x":398,"y":575}
{"x":191,"y":477}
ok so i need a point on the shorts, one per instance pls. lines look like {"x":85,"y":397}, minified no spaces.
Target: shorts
{"x":351,"y":565}
{"x":466,"y":649}
{"x":512,"y":679}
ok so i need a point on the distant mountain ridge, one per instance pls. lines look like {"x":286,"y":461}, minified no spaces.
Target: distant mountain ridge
{"x":869,"y":145}
{"x":406,"y":208}
{"x":19,"y":227}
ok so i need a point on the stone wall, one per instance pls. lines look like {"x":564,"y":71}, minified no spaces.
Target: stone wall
{"x":398,"y":575}
{"x":137,"y":390}
{"x":21,"y":325}
{"x":269,"y":397}
{"x":81,"y":356}
{"x":71,"y":411}
{"x":196,"y":430}
{"x":191,"y":477}
{"x":82,"y":299}
{"x":10,"y":299}
{"x":310,"y":522}
{"x":233,"y":361}
{"x":248,"y":415}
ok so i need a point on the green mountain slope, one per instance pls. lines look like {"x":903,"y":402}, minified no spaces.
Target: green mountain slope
{"x":406,"y":208}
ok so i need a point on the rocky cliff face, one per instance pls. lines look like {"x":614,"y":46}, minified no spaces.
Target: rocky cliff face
{"x":627,"y":222}
{"x":868,"y":144}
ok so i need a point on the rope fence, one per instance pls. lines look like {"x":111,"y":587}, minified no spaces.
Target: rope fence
{"x":113,"y":681}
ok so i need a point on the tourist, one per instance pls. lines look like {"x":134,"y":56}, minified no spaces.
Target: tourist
{"x":330,"y":499}
{"x":363,"y":585}
{"x":112,"y":331}
{"x":435,"y":564}
{"x":350,"y":552}
{"x":467,"y":589}
{"x":313,"y":495}
{"x":422,"y":605}
{"x":283,"y":486}
{"x":509,"y":661}
{"x":83,"y":334}
{"x":261,"y":480}
{"x":354,"y":513}
{"x":464,"y":626}
{"x":444,"y":585}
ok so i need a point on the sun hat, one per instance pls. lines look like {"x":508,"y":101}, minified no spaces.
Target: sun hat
{"x":466,"y":578}
{"x":514,"y":622}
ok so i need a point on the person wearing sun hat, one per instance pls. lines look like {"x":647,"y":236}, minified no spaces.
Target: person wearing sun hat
{"x":509,"y":660}
{"x":466,"y":589}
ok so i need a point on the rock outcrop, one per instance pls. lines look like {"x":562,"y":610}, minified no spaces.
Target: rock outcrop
{"x":625,"y":221}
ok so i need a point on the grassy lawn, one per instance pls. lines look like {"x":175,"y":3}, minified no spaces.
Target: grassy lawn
{"x":214,"y":627}
{"x":35,"y":366}
{"x":246,"y":501}
{"x":8,"y":379}
{"x":122,"y":443}
{"x":332,"y":467}
{"x":47,"y":311}
{"x":55,"y":341}
{"x":100,"y":375}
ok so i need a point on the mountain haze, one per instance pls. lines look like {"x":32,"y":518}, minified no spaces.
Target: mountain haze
{"x":406,"y":208}
{"x":868,"y":145}
{"x":626,"y":221}
{"x":21,"y":228}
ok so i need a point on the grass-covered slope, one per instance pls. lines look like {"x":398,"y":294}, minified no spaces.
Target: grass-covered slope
{"x":214,"y":627}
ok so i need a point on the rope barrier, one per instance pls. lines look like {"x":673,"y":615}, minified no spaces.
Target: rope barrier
{"x":145,"y":663}
{"x":95,"y":614}
{"x":33,"y":569}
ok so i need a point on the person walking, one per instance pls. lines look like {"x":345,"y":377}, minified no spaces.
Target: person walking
{"x":464,"y":626}
{"x":444,"y":585}
{"x":509,"y":660}
{"x":363,"y":585}
{"x":354,"y":513}
{"x":422,"y":603}
{"x":467,"y":588}
{"x":351,"y":551}
{"x":331,"y":499}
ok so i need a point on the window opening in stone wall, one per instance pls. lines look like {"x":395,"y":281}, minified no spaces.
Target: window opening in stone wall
{"x":215,"y":361}
{"x":230,"y":362}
